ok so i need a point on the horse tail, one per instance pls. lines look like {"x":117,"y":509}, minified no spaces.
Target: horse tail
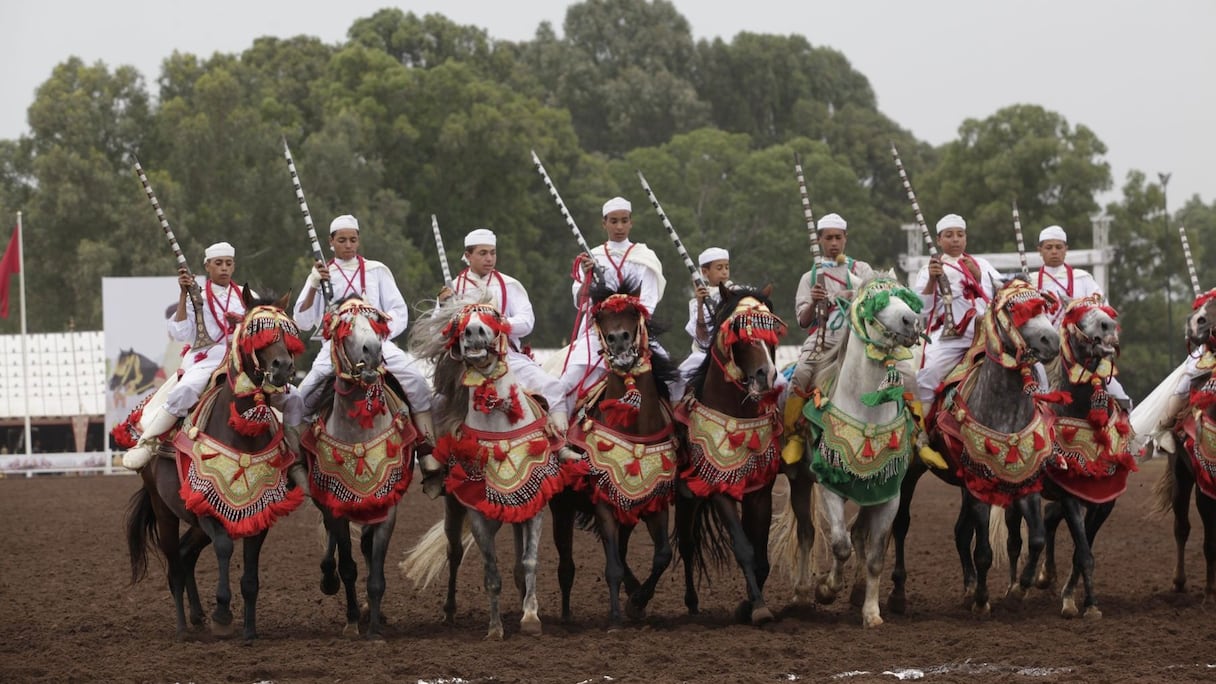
{"x":1165,"y":488}
{"x":141,"y":531}
{"x":708,"y":539}
{"x":425,"y":561}
{"x":782,"y":544}
{"x":998,"y":536}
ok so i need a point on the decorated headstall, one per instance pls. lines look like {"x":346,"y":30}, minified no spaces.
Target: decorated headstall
{"x":339,"y":324}
{"x":625,"y":410}
{"x":1200,"y":302}
{"x":1097,"y":371}
{"x":261,"y":327}
{"x":624,"y":303}
{"x":1204,"y":396}
{"x":882,"y":345}
{"x":488,"y":316}
{"x":750,"y":322}
{"x":1012,"y":307}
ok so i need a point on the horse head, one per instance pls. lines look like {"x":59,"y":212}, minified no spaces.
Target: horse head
{"x":356,"y":332}
{"x":620,"y":321}
{"x":478,"y":336}
{"x":1199,"y":324}
{"x":886,"y":314}
{"x":1090,"y":330}
{"x":264,"y":345}
{"x":1018,"y":326}
{"x":745,"y":339}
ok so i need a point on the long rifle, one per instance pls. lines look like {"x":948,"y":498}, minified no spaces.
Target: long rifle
{"x":578,"y":234}
{"x":202,"y":339}
{"x":693,"y":270}
{"x":943,"y":283}
{"x":443,"y":255}
{"x":327,"y":288}
{"x":1017,"y":234}
{"x":1190,"y":262}
{"x":821,"y":307}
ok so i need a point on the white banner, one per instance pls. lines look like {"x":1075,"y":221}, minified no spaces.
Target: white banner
{"x":139,"y":353}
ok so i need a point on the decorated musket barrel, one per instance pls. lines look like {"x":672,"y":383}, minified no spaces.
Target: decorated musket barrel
{"x":1017,"y":234}
{"x":693,"y":270}
{"x":202,"y":340}
{"x":943,"y":284}
{"x":578,"y":234}
{"x":821,"y":307}
{"x":1190,"y":261}
{"x":327,"y":288}
{"x":443,"y":255}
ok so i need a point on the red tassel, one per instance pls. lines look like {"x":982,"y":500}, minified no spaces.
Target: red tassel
{"x":1012,"y":455}
{"x":538,"y":447}
{"x":359,"y":466}
{"x":893,"y":443}
{"x":617,"y":414}
{"x":867,"y":450}
{"x":1123,"y":428}
{"x":604,"y":445}
{"x":499,"y":453}
{"x":1038,"y":441}
{"x":667,"y":464}
{"x":295,"y":347}
{"x":736,"y":438}
{"x":237,"y":475}
{"x":991,"y":446}
{"x":634,"y":467}
{"x":754,"y":442}
{"x":1098,"y":417}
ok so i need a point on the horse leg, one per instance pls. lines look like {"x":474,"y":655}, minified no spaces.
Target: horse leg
{"x":339,"y":534}
{"x":563,"y":540}
{"x":757,"y":510}
{"x":613,"y":568}
{"x":979,"y":513}
{"x":530,"y":553}
{"x":1184,"y":482}
{"x":1013,"y":549}
{"x":1032,"y":512}
{"x":453,"y":528}
{"x":375,"y":549}
{"x":876,"y":533}
{"x":745,"y":555}
{"x":804,"y":519}
{"x":630,"y":581}
{"x":1082,"y":557}
{"x":688,"y":538}
{"x":191,"y":547}
{"x":897,"y":602}
{"x":964,"y":530}
{"x":221,"y":617}
{"x":1052,"y":516}
{"x":1094,"y":518}
{"x":657,"y":525}
{"x":330,"y":583}
{"x":251,"y":549}
{"x":1207,"y":513}
{"x":484,"y":530}
{"x":831,"y":510}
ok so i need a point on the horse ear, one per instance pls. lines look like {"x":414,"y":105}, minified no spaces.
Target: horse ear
{"x":246,"y":296}
{"x":767,"y":291}
{"x":723,"y":291}
{"x":284,"y":301}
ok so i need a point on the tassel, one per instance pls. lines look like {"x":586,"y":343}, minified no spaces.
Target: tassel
{"x":1069,"y":432}
{"x":634,"y":467}
{"x":991,"y":446}
{"x":883,"y":396}
{"x":336,"y":455}
{"x":1012,"y":455}
{"x":667,"y":464}
{"x":618,"y":412}
{"x":237,"y":475}
{"x":538,"y":447}
{"x":893,"y":443}
{"x":515,"y":408}
{"x":604,"y":445}
{"x":736,"y":439}
{"x":893,"y":378}
{"x":359,"y":463}
{"x":500,"y":454}
{"x":1030,"y":386}
{"x":253,"y":422}
{"x":1038,"y":441}
{"x":754,"y":442}
{"x":867,"y":450}
{"x":485,"y":398}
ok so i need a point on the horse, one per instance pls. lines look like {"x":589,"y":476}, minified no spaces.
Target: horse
{"x":360,"y":456}
{"x":500,"y":453}
{"x":861,"y":441}
{"x":627,"y":470}
{"x":225,"y":472}
{"x":1092,"y":437}
{"x":731,"y":447}
{"x":134,"y":373}
{"x":1195,"y":468}
{"x":995,"y":430}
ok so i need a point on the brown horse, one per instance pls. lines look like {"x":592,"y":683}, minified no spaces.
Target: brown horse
{"x":1194,"y":467}
{"x":731,"y":447}
{"x":224,"y":474}
{"x":627,"y":471}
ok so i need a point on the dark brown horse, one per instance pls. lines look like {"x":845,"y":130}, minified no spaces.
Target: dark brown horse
{"x":731,"y":448}
{"x":224,"y":475}
{"x":1192,"y":464}
{"x":626,"y":473}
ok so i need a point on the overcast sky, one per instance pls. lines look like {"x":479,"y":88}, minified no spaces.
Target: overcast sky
{"x":1139,"y":73}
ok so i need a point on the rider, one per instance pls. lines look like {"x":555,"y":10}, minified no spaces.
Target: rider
{"x":511,"y":299}
{"x":715,"y":269}
{"x":351,"y":274}
{"x":621,"y":260}
{"x":973,"y":283}
{"x":1068,"y":283}
{"x":224,"y":310}
{"x":834,"y":276}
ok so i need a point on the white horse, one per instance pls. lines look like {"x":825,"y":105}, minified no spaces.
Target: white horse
{"x":499,"y":450}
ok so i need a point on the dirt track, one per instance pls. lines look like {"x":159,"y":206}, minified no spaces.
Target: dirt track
{"x":68,"y":614}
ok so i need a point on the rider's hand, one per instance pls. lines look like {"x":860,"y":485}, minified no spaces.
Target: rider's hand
{"x":702,"y":294}
{"x":320,"y":272}
{"x":818,"y":293}
{"x":558,"y":424}
{"x":935,"y":268}
{"x":445,"y":294}
{"x":184,"y":279}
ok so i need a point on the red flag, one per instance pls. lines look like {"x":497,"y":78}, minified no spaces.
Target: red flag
{"x":10,"y":265}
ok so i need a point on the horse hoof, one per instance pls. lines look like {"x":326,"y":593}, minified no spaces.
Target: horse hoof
{"x":351,"y":630}
{"x":762,"y":615}
{"x":857,"y":597}
{"x":982,"y":609}
{"x":1179,"y":586}
{"x":376,"y":638}
{"x":1016,"y":593}
{"x":221,"y":629}
{"x":804,"y":594}
{"x":871,"y":621}
{"x":1069,"y":609}
{"x":530,"y":625}
{"x":1092,"y":613}
{"x":448,"y":619}
{"x":330,"y":584}
{"x":743,"y":612}
{"x":494,"y":635}
{"x":634,"y":611}
{"x":897,"y":603}
{"x":824,"y":594}
{"x":1044,"y":581}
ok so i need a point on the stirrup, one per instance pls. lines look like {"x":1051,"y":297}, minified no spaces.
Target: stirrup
{"x":794,"y":449}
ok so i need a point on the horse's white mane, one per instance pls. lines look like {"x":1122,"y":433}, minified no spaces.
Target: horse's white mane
{"x":426,"y":341}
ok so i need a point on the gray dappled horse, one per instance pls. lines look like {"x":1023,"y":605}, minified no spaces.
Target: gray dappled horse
{"x":238,"y":452}
{"x":994,"y":430}
{"x":360,"y":456}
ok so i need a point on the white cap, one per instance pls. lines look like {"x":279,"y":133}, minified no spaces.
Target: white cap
{"x":832,"y":221}
{"x":342,"y":222}
{"x":1053,"y":233}
{"x":713,"y":254}
{"x":617,"y":204}
{"x":480,"y":236}
{"x":219,"y":249}
{"x":951,"y":221}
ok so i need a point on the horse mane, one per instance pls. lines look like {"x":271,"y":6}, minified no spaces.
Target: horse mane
{"x":829,"y":367}
{"x":427,"y":341}
{"x":721,"y":312}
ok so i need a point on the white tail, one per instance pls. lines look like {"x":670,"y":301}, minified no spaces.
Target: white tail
{"x":998,"y":535}
{"x":426,"y":560}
